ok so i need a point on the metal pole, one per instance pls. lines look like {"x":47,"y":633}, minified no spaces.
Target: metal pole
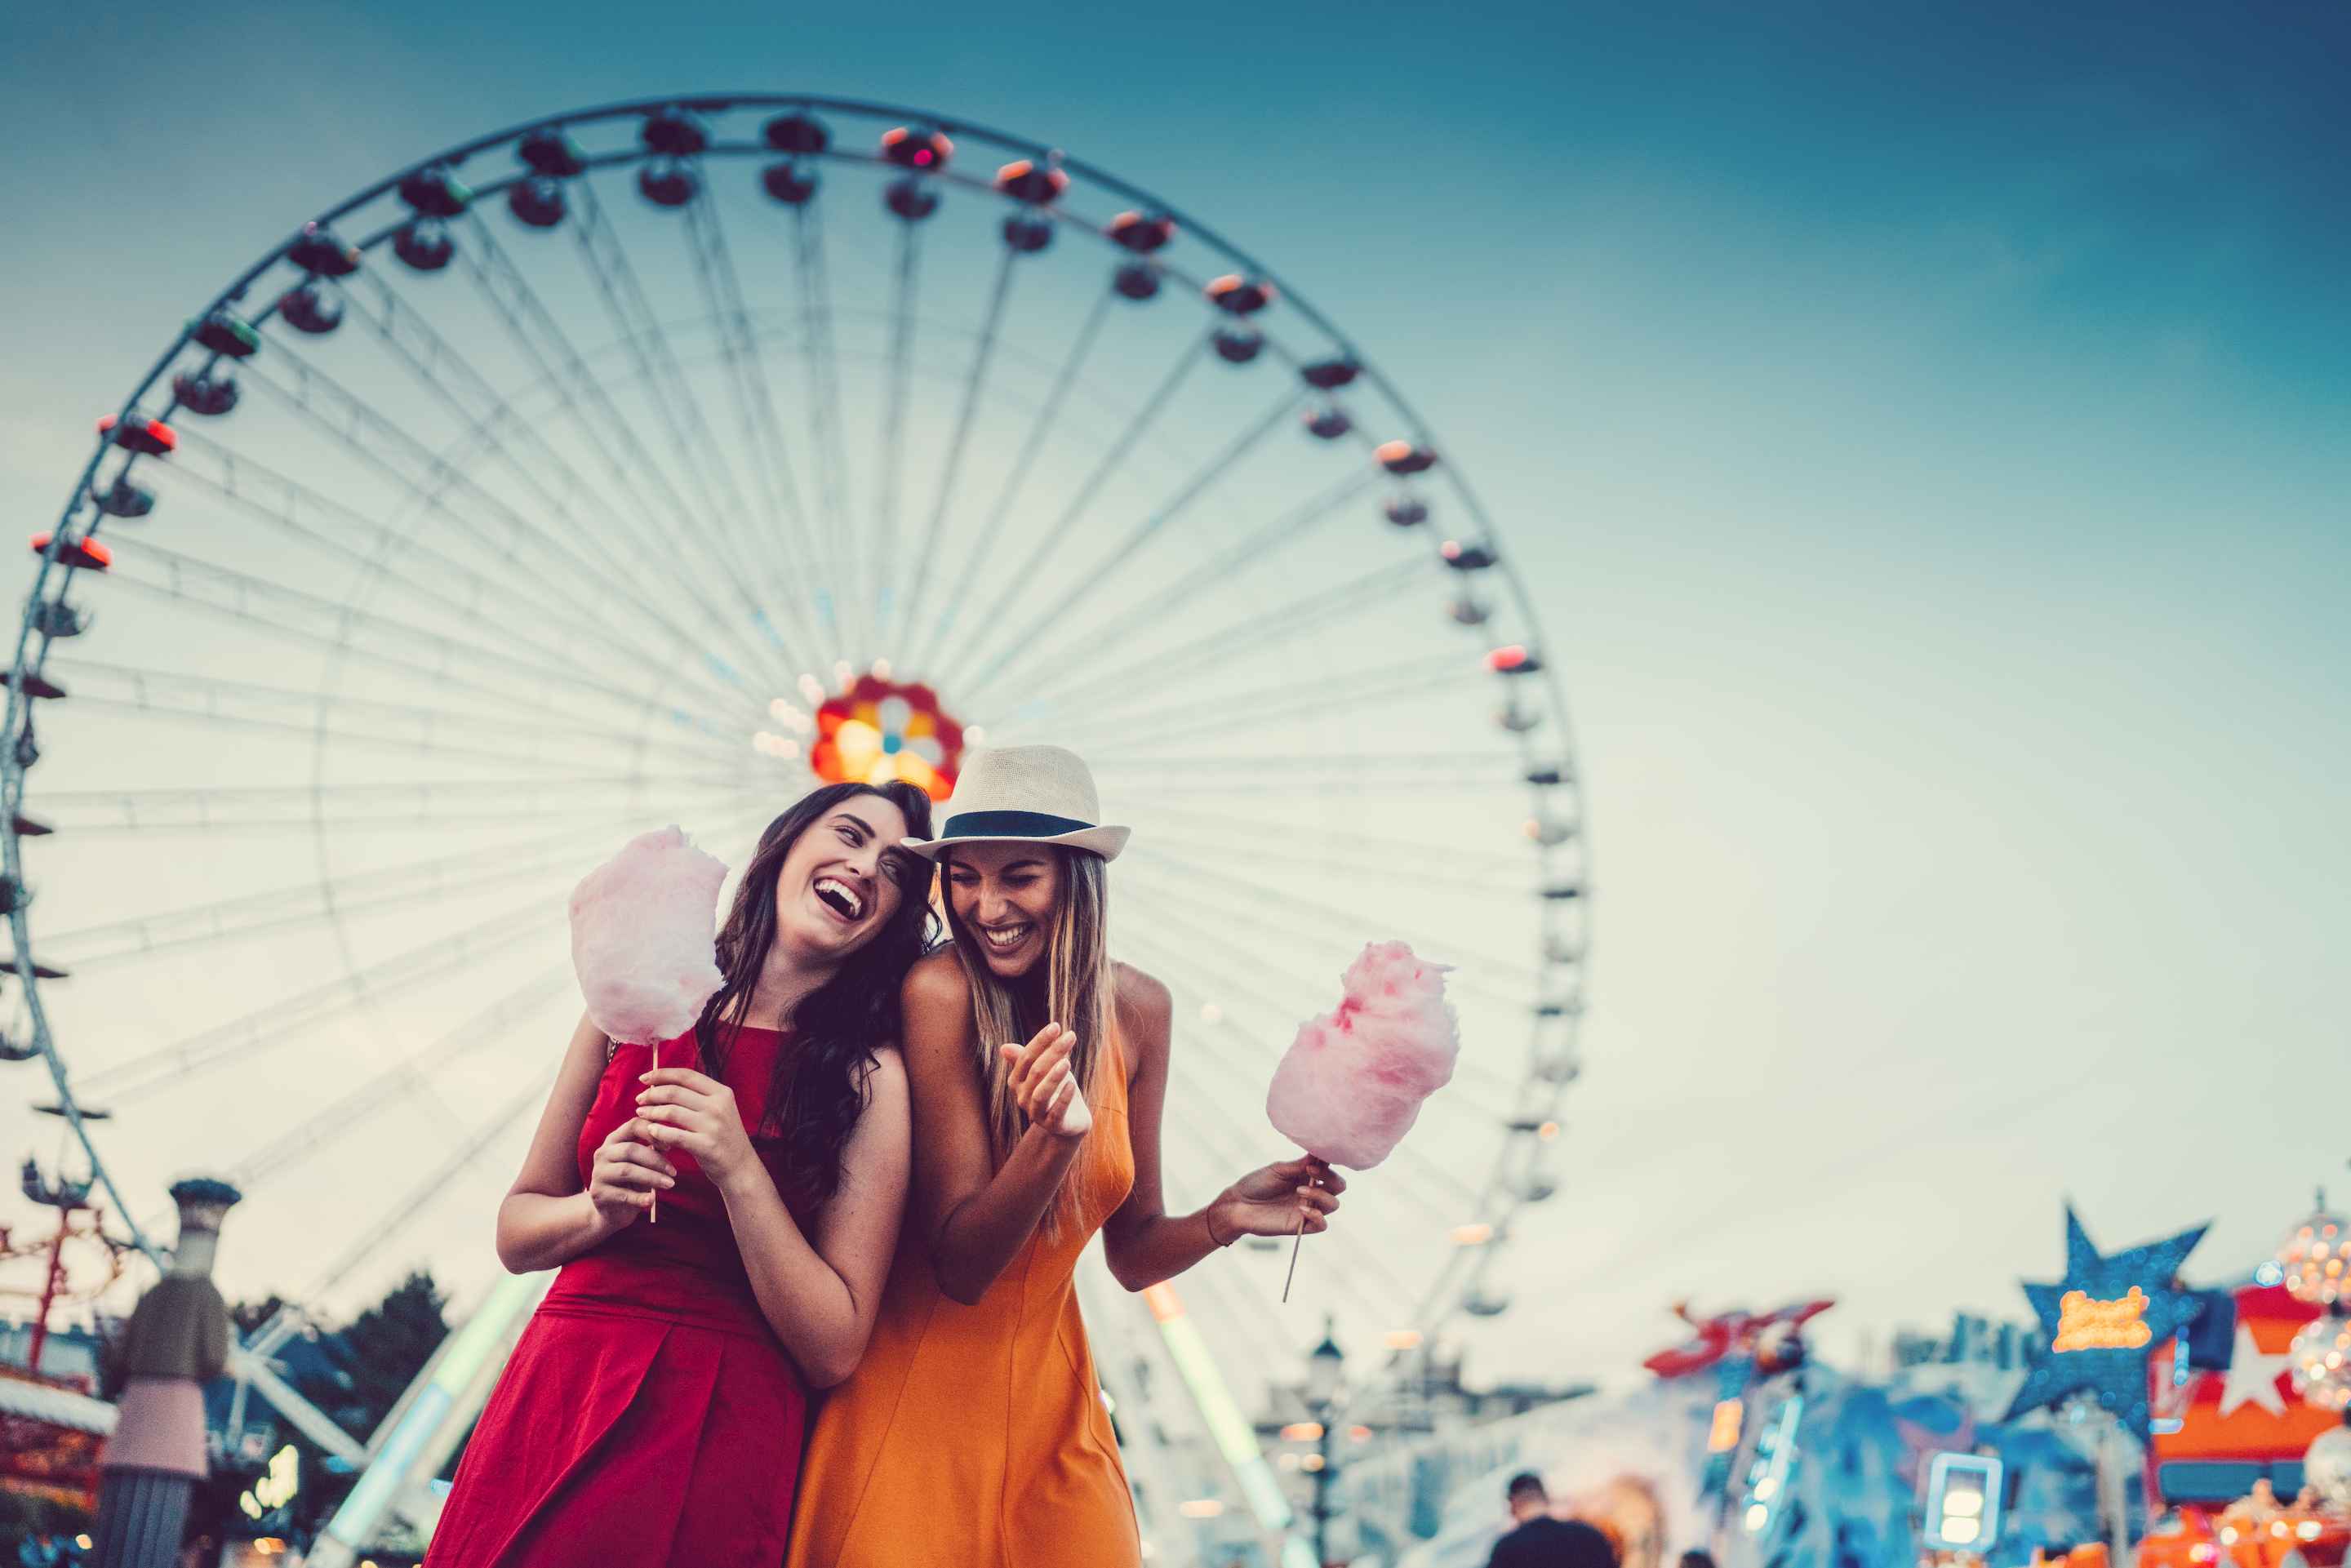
{"x":1322,"y":1494}
{"x":2114,"y":1488}
{"x":48,"y":1292}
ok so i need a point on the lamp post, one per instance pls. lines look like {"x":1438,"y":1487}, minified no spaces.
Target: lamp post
{"x":1326,"y":1372}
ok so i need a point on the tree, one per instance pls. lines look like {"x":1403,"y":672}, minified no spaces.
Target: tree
{"x":354,"y":1376}
{"x":381,"y":1352}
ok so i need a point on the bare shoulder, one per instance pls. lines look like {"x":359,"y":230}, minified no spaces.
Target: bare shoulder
{"x":1145,"y":1012}
{"x":936,"y":983}
{"x":1140,"y":996}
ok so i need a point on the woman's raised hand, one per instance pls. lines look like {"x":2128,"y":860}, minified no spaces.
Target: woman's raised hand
{"x":682,"y":1109}
{"x":624,"y":1174}
{"x":1270,"y":1200}
{"x":1043,"y":1085}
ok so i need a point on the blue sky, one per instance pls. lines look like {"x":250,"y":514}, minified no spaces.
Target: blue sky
{"x":1925,"y":429}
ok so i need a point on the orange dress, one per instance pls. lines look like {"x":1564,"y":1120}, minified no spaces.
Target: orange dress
{"x":975,"y":1436}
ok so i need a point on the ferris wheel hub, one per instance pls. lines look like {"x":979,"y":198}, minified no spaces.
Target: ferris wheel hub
{"x":877,"y":729}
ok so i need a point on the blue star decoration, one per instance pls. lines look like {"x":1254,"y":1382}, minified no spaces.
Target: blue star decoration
{"x":2104,"y":1320}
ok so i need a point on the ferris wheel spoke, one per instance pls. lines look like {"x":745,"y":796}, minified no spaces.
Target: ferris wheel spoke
{"x":1370,"y":865}
{"x":763,"y":431}
{"x":1213,"y":1134}
{"x":403,"y":726}
{"x":1251,"y":1332}
{"x":452,"y":380}
{"x":521,"y":801}
{"x":436,"y":365}
{"x":1290,"y":699}
{"x":1280,"y":768}
{"x":820,"y":366}
{"x":974,"y":381}
{"x":1328,"y":952}
{"x":1257,"y":1329}
{"x":621,"y":451}
{"x":1017,"y":476}
{"x":670,"y":394}
{"x":384,"y":642}
{"x":497,"y":607}
{"x":671,"y":391}
{"x":905,"y":277}
{"x":324,"y":402}
{"x":1023,"y":644}
{"x":416,"y":881}
{"x":289,"y":1018}
{"x":470,"y":1148}
{"x":1212,"y":928}
{"x":1246,"y":1066}
{"x":1350,"y":1269}
{"x":1390,"y":856}
{"x":1355,"y":1266}
{"x":1211,"y":1083}
{"x":336,"y":1120}
{"x":1177,"y":871}
{"x":1260,"y":631}
{"x":1145,"y":770}
{"x":1258,"y":550}
{"x":647,"y":340}
{"x":1194,"y":355}
{"x":562,"y":367}
{"x":1239,"y":780}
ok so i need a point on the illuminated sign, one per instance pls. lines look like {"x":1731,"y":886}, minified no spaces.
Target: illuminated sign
{"x":1722,"y":1437}
{"x":1962,"y":1512}
{"x":1771,"y":1471}
{"x":277,"y":1489}
{"x":2101,"y":1319}
{"x":2085,"y":1322}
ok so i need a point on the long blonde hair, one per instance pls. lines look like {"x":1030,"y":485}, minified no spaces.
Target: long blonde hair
{"x":1080,"y":995}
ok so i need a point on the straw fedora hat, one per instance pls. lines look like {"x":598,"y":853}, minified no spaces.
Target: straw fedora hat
{"x":1025,"y":794}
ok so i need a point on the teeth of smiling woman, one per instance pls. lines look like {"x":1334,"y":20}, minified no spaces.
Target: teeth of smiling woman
{"x":1006,"y":939}
{"x":844,"y":896}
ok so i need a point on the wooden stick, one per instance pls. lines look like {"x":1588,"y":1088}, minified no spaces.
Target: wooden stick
{"x":1294,"y":1246}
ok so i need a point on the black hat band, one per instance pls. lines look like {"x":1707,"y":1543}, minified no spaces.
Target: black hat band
{"x":1009,"y":825}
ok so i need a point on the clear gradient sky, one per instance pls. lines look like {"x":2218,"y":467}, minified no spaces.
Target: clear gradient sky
{"x":1925,"y":429}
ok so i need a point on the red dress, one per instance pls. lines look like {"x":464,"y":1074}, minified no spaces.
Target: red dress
{"x":648,"y":1416}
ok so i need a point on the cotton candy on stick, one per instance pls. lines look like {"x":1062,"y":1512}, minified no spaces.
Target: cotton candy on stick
{"x":1350,"y":1086}
{"x":643,"y":942}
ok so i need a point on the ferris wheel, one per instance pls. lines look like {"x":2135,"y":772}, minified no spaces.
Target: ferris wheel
{"x":652,"y":462}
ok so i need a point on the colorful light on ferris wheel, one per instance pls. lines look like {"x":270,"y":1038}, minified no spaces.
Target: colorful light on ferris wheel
{"x":880,"y":730}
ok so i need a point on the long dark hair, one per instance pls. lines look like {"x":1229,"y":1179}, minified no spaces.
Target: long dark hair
{"x":818,"y":1089}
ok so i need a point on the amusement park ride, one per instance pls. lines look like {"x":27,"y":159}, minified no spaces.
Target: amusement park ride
{"x":649,"y":464}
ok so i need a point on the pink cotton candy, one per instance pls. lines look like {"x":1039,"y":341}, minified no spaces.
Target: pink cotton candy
{"x":642,"y":928}
{"x":1350,"y":1086}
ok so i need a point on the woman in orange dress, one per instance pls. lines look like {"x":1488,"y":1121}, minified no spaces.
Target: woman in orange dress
{"x":973,"y":1434}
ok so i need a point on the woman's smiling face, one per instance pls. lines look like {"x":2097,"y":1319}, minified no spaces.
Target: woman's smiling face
{"x":835,"y":890}
{"x":1004,"y":894}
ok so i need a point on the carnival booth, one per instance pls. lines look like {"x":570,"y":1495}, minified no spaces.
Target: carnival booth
{"x":2183,"y":1427}
{"x":1742,"y":1447}
{"x":2248,"y":1452}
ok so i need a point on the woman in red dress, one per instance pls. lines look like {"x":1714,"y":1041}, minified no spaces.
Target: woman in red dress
{"x":652,"y":1415}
